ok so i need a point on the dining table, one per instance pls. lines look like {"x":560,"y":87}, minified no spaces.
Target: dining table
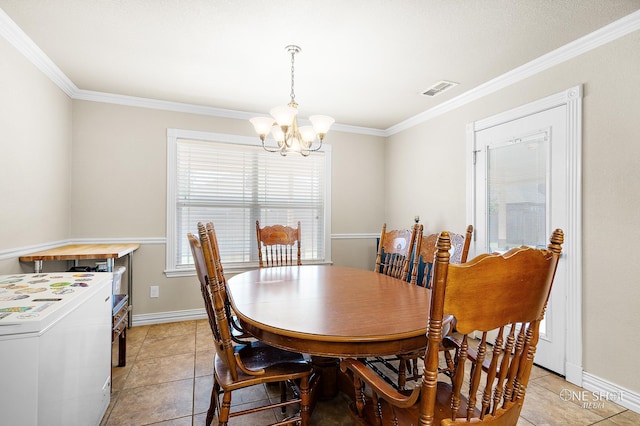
{"x":331,"y":312}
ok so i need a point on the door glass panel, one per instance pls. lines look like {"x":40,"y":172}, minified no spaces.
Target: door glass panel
{"x":517,"y":181}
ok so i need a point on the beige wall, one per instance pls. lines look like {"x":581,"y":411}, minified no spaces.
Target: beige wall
{"x":35,"y":157}
{"x":119,"y":190}
{"x":432,"y":155}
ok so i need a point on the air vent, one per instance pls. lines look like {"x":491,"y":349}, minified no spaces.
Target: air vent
{"x":438,"y":88}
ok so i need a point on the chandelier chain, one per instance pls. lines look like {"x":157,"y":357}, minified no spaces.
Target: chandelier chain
{"x":293,"y":95}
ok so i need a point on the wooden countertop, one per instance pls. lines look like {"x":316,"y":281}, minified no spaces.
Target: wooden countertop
{"x":82,"y":251}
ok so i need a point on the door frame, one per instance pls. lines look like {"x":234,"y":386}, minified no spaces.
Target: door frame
{"x":572,"y":99}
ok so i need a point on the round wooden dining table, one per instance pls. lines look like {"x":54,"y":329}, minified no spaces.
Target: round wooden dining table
{"x":331,"y":311}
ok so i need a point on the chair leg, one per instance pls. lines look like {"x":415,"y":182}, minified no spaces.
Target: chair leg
{"x":305,"y":401}
{"x":377,"y":407}
{"x":283,"y":396}
{"x":225,"y":409}
{"x":414,"y":373}
{"x":213,"y":404}
{"x":360,"y":396}
{"x":402,"y":373}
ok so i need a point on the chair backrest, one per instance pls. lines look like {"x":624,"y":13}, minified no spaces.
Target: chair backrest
{"x":276,"y":245}
{"x":213,"y":293}
{"x":213,"y":240}
{"x":507,"y":292}
{"x":425,"y":250}
{"x":394,"y":251}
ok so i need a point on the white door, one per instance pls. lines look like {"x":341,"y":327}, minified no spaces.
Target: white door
{"x":533,"y":155}
{"x":519,"y":200}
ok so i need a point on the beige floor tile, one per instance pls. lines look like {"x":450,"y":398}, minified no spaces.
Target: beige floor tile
{"x":204,"y":340}
{"x":181,"y":328}
{"x":524,"y":422}
{"x":537,"y":372}
{"x":609,"y":422}
{"x":204,"y":362}
{"x":167,"y":346}
{"x":544,"y":407}
{"x":152,"y":404}
{"x":202,"y":394}
{"x":119,"y":376}
{"x":182,"y":421}
{"x":202,"y":324}
{"x":137,"y":334}
{"x":161,"y":369}
{"x":626,"y":418}
{"x":575,"y":394}
{"x":200,"y":419}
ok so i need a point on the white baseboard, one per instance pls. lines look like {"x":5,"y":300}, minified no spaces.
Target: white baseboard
{"x":619,"y":395}
{"x":165,"y":317}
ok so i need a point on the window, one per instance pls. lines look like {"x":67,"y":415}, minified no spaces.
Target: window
{"x":231,"y":181}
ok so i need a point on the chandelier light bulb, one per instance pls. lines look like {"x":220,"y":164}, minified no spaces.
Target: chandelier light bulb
{"x":283,"y":115}
{"x":262,"y":125}
{"x":278,"y":134}
{"x":321,"y":123}
{"x":307,"y":134}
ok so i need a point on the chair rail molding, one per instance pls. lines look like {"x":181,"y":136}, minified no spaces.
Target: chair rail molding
{"x":355,"y":236}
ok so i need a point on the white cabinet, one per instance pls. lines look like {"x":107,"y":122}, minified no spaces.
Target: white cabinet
{"x":55,"y":348}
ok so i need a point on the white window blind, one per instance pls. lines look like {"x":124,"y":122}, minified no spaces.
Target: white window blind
{"x":232,"y":185}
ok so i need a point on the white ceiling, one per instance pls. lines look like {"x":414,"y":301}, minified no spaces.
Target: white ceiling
{"x":363,"y":62}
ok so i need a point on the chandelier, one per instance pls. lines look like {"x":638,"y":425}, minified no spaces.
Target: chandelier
{"x":283,"y":126}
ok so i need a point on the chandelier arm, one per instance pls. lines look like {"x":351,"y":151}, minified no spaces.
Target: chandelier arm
{"x":269,"y":149}
{"x":318,"y":148}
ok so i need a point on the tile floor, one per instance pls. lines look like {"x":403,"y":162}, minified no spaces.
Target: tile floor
{"x":168,"y":377}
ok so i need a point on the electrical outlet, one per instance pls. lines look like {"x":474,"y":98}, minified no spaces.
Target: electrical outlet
{"x":154,"y":291}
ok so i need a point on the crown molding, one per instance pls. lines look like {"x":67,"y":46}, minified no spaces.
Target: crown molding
{"x":604,"y":35}
{"x":23,"y":44}
{"x":111,"y":98}
{"x":626,"y":25}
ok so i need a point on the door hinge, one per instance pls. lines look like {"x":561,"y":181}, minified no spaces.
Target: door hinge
{"x":475,"y":154}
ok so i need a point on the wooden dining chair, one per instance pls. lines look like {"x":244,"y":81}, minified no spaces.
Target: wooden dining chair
{"x":277,"y":245}
{"x":238,"y":335}
{"x":425,"y":250}
{"x":252,"y":363}
{"x":507,"y":293}
{"x":395,"y":249}
{"x":393,"y":258}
